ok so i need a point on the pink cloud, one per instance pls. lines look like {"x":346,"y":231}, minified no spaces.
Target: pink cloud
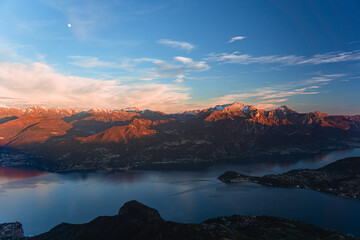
{"x":39,"y":84}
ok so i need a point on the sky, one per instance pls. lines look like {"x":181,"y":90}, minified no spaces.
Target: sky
{"x":176,"y":55}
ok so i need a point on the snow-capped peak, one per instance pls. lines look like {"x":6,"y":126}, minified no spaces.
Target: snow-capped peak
{"x":231,"y":106}
{"x":286,"y":109}
{"x":221,"y":107}
{"x":131,"y":109}
{"x":100,"y":110}
{"x":246,"y":108}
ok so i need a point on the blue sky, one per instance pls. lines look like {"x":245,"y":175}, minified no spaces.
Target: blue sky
{"x":180,"y":55}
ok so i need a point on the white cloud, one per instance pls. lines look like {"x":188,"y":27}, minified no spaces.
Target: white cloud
{"x":176,"y":44}
{"x":245,"y":59}
{"x":236,"y":39}
{"x":184,"y":60}
{"x":179,"y":78}
{"x":39,"y":84}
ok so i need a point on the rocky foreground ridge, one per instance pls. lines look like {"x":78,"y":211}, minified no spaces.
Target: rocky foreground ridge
{"x":65,"y":140}
{"x":11,"y":231}
{"x":140,"y":222}
{"x":341,"y":178}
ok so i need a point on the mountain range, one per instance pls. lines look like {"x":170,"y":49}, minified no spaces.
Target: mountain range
{"x":66,"y":139}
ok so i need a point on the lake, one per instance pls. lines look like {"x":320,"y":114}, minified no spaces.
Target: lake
{"x":41,"y":200}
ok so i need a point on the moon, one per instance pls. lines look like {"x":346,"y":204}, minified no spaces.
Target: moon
{"x":69,"y":25}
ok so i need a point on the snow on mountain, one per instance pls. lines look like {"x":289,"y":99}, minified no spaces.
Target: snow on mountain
{"x":246,"y":108}
{"x":220,"y":107}
{"x":131,"y":109}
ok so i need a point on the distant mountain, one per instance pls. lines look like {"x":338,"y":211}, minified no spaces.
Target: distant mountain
{"x":134,"y":138}
{"x":49,"y":112}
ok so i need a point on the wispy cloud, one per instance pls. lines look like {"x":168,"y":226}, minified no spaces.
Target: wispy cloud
{"x":179,"y":67}
{"x":176,"y":44}
{"x":288,"y":93}
{"x":10,"y":50}
{"x":270,"y":97}
{"x":94,"y":62}
{"x":332,"y":57}
{"x":246,"y":59}
{"x":275,"y":101}
{"x":39,"y":84}
{"x":184,"y":60}
{"x":236,"y":39}
{"x":178,"y":80}
{"x":176,"y":68}
{"x":7,"y":51}
{"x":354,"y":42}
{"x":266,"y":106}
{"x":242,"y":97}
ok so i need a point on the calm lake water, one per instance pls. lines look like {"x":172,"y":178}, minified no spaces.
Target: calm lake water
{"x":41,"y":200}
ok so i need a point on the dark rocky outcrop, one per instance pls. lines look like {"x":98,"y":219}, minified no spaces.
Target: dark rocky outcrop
{"x":341,"y":178}
{"x":11,"y":231}
{"x":137,"y":221}
{"x":138,"y":211}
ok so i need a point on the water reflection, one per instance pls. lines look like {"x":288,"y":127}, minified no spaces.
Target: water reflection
{"x":278,"y":164}
{"x":11,"y":174}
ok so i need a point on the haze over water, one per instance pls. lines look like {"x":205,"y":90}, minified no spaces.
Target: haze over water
{"x":41,"y":200}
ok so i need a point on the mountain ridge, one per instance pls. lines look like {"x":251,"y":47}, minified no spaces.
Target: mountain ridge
{"x":58,"y":110}
{"x":138,"y":221}
{"x":121,"y":139}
